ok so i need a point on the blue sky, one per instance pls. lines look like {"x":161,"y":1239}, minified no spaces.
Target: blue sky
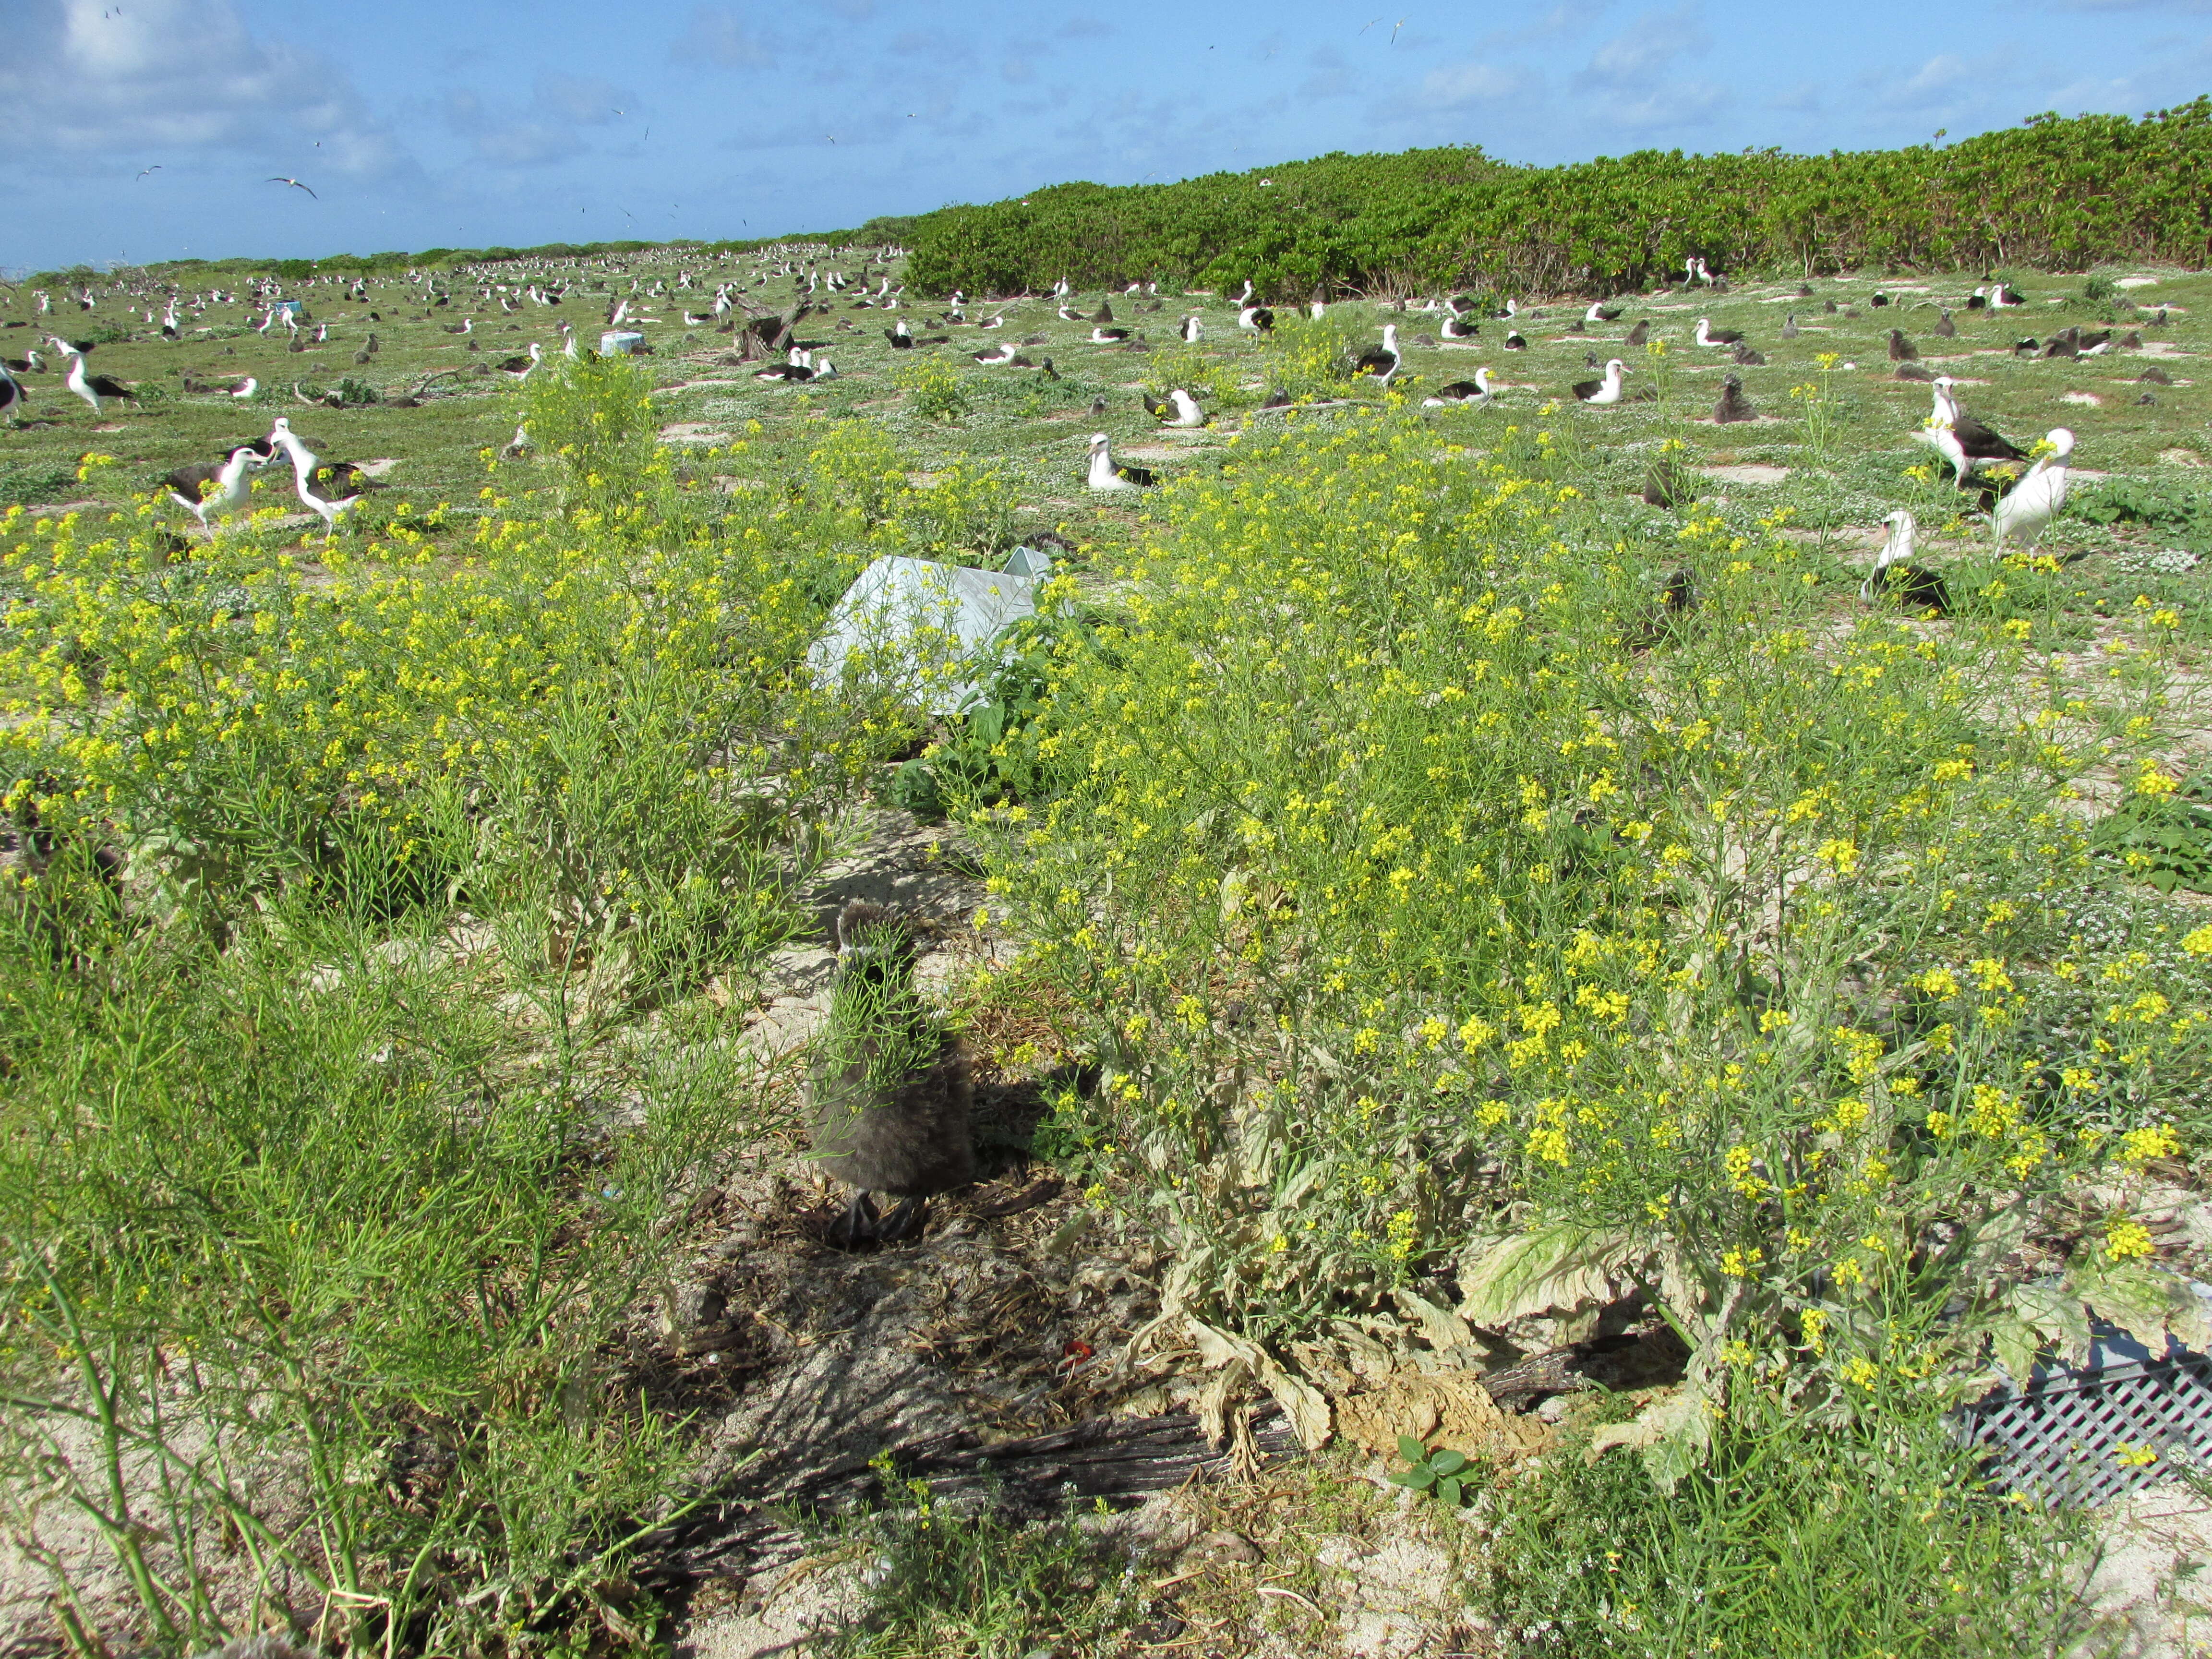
{"x":421,"y":124}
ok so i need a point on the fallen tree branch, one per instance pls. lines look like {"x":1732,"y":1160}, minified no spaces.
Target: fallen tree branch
{"x":1117,"y":1459}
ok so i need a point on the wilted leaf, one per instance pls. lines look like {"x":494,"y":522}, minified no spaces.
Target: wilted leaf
{"x":2143,"y":1301}
{"x":1672,"y":1433}
{"x":1301,"y":1401}
{"x":2054,"y":1310}
{"x":1561,"y":1266}
{"x":1442,"y":1328}
{"x":2015,"y":1344}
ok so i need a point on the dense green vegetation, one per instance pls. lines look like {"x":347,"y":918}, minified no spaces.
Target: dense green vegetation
{"x":2053,"y":192}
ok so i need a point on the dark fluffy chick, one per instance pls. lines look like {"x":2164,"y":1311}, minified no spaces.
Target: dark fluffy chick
{"x":889,"y":1094}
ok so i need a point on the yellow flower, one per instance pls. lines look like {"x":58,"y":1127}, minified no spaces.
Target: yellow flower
{"x":2127,"y":1240}
{"x":2140,"y":1146}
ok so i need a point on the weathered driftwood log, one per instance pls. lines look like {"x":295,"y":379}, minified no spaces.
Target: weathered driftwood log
{"x":1112,"y":1458}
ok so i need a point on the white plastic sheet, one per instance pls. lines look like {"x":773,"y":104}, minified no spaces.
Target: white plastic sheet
{"x":926,"y":632}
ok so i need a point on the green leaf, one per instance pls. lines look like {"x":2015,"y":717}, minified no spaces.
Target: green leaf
{"x":1420,"y":1477}
{"x":1411,"y":1450}
{"x":1447,"y":1463}
{"x":1447,"y":1490}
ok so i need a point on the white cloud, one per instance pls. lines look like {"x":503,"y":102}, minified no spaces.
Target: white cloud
{"x":85,"y":83}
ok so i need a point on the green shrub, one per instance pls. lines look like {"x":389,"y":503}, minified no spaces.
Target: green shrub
{"x":933,"y":388}
{"x":1559,"y":962}
{"x":2051,"y":192}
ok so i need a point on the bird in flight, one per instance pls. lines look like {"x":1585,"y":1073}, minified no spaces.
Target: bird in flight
{"x":1394,"y":32}
{"x":295,"y":184}
{"x":142,"y":172}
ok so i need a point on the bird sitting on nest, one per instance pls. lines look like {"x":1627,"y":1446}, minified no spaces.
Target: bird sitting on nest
{"x":1917,"y":587}
{"x":890,"y":1091}
{"x":1106,"y":473}
{"x":1477,"y":390}
{"x":1607,"y":391}
{"x":1178,"y":408}
{"x":1384,"y":360}
{"x":1733,"y":405}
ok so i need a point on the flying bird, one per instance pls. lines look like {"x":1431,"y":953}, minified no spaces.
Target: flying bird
{"x":142,"y":172}
{"x":295,"y":184}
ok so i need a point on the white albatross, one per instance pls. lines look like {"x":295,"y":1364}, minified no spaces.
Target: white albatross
{"x":1105,"y":474}
{"x":2026,"y":511}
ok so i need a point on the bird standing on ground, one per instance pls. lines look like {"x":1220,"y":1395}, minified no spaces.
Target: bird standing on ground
{"x":891,"y":1093}
{"x":217,"y":487}
{"x":1959,"y":437}
{"x":2027,"y":510}
{"x":90,"y":387}
{"x":331,"y":490}
{"x":12,"y":396}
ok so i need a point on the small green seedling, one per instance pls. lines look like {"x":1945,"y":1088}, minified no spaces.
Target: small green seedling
{"x":1441,"y":1472}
